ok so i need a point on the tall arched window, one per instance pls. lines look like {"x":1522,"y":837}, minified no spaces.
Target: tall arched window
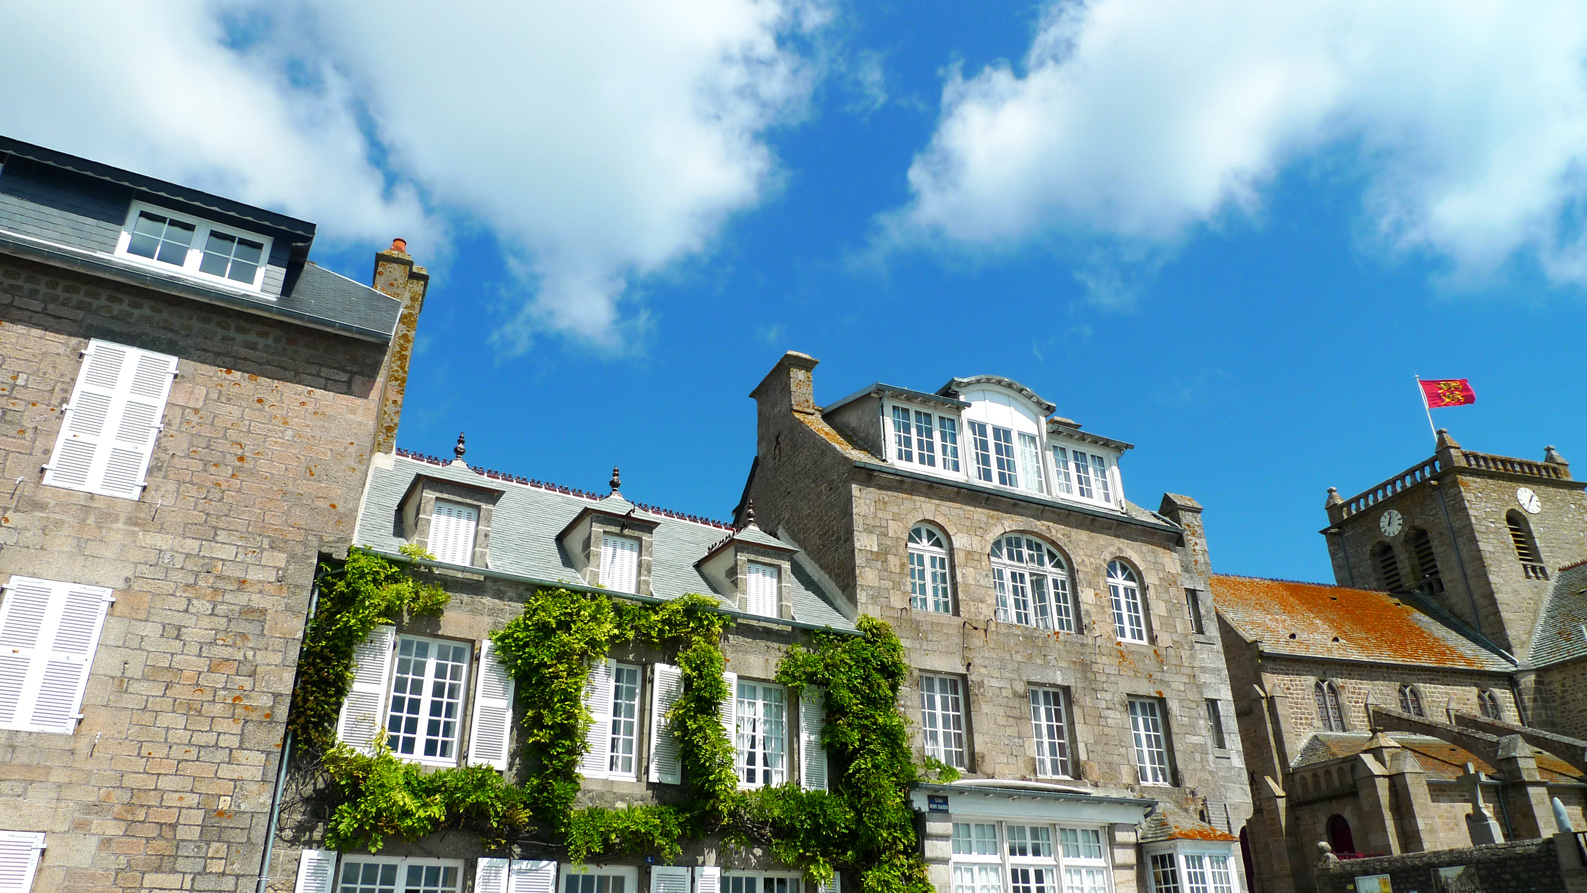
{"x":1339,"y":836}
{"x":1526,"y":546}
{"x":1388,"y":567}
{"x":1411,"y":701}
{"x":1488,"y":703}
{"x":1425,"y":563}
{"x":930,"y":587}
{"x":1329,"y":712}
{"x":1129,"y":619}
{"x":1032,"y":584}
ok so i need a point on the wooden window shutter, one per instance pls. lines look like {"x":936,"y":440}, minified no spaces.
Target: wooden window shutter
{"x":316,"y":871}
{"x":708,"y":879}
{"x":490,"y":875}
{"x":19,"y":859}
{"x":666,"y":684}
{"x":598,"y":699}
{"x":729,"y":709}
{"x":452,"y":529}
{"x":48,"y":634}
{"x":833,"y":886}
{"x":532,"y":877}
{"x":108,"y":432}
{"x":669,"y":879}
{"x":490,"y":733}
{"x":812,"y":756}
{"x":619,"y":563}
{"x":762,"y":596}
{"x":364,"y":709}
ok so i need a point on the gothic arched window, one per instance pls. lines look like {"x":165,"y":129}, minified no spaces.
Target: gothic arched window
{"x":1488,"y":703}
{"x":1411,"y":701}
{"x":1388,"y":567}
{"x":1329,"y":712}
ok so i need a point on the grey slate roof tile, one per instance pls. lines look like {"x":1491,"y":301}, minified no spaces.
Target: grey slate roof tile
{"x":527,"y":518}
{"x":1559,"y":635}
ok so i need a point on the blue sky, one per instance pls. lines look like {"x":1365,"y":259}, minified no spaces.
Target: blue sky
{"x":1229,"y":233}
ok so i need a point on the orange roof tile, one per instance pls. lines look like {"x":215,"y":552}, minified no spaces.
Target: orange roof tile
{"x":1317,"y":620}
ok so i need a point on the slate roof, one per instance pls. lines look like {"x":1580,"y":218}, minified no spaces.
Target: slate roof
{"x":1559,"y":635}
{"x":529,"y":515}
{"x":1317,"y":620}
{"x":1439,"y":758}
{"x":1168,"y":823}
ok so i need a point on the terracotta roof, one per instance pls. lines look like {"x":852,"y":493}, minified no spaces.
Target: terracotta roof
{"x":1317,"y":620}
{"x":1171,"y":824}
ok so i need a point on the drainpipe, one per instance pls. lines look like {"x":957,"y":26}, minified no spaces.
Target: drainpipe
{"x":281,"y":768}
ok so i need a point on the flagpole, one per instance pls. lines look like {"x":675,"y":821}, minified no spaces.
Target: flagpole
{"x":1427,"y":409}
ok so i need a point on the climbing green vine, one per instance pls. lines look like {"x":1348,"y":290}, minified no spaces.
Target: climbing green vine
{"x":864,"y":825}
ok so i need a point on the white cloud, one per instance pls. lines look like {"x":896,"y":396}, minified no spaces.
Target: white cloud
{"x":1137,"y":121}
{"x":599,"y":142}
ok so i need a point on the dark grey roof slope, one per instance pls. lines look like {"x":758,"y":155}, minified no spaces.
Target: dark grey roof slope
{"x":321,"y":294}
{"x":527,"y":518}
{"x":1559,"y":636}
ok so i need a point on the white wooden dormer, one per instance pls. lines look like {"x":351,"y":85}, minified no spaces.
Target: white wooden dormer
{"x":1085,"y":466}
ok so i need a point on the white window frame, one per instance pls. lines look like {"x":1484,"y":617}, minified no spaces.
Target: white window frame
{"x":400,"y":883}
{"x":1030,"y":463}
{"x":195,"y":252}
{"x":930,"y":574}
{"x":1193,"y":869}
{"x":942,"y":719}
{"x":1149,"y":740}
{"x":792,"y":881}
{"x":1031,"y":582}
{"x":761,"y":732}
{"x":762,"y":589}
{"x":1073,"y":841}
{"x":629,"y":874}
{"x":49,"y":634}
{"x":984,"y":860}
{"x":1128,"y":602}
{"x":111,"y":423}
{"x":421,"y":735}
{"x":1050,"y":730}
{"x":620,"y":559}
{"x":454,"y":527}
{"x":1086,"y":473}
{"x":605,"y":695}
{"x":924,"y":440}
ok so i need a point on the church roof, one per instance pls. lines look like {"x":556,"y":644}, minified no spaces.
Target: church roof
{"x":1437,"y":757}
{"x":1317,"y":620}
{"x":1560,"y":635}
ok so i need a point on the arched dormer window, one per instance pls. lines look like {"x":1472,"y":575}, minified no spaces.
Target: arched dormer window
{"x":1388,"y":567}
{"x":1032,"y":584}
{"x":1411,"y":701}
{"x":1488,"y":703}
{"x":1525,"y":546}
{"x":930,"y":586}
{"x":1329,"y":713}
{"x":1424,"y":562}
{"x":1129,"y":615}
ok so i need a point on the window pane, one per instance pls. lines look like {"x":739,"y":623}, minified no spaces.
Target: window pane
{"x":1196,"y":873}
{"x":949,"y":429}
{"x":1165,"y":874}
{"x":1050,"y":730}
{"x":924,"y":442}
{"x":941,"y":596}
{"x":1003,"y":445}
{"x":1060,"y":461}
{"x":217,"y":254}
{"x":1099,"y":472}
{"x":1083,"y":476}
{"x":427,"y":697}
{"x":1030,"y":461}
{"x":919,"y":589}
{"x":903,"y":441}
{"x":625,"y":722}
{"x":982,"y":447}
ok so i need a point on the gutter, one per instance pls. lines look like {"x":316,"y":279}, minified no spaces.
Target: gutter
{"x":971,"y":787}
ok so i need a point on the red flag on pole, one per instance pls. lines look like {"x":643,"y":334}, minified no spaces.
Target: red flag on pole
{"x":1448,"y":392}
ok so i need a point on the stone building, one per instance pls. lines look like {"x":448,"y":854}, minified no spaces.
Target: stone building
{"x":1065,"y":663}
{"x":1431,"y":701}
{"x":189,"y":405}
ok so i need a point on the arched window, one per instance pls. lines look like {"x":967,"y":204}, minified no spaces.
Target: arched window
{"x":1426,"y":565}
{"x":1526,"y":546}
{"x":1129,"y":620}
{"x":930,"y":588}
{"x":1411,"y":701}
{"x":1388,"y":567}
{"x":1488,"y":703}
{"x":1329,"y":713}
{"x":1032,"y":584}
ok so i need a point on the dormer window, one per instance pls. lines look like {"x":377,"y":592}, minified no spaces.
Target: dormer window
{"x":452,"y":529}
{"x":922,"y":438}
{"x":761,"y":589}
{"x":206,"y":250}
{"x":1083,"y":474}
{"x":619,"y":563}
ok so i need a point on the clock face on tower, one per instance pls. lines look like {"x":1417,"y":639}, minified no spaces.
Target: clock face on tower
{"x":1390,"y":523}
{"x":1529,"y":500}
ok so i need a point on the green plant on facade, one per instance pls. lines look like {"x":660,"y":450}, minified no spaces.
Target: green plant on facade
{"x":864,"y":825}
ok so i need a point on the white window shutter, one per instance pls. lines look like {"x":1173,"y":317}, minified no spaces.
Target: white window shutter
{"x":19,"y":859}
{"x":532,"y":877}
{"x":669,"y":879}
{"x":666,"y":684}
{"x":364,"y":708}
{"x":48,"y":634}
{"x":108,"y":432}
{"x":833,"y":886}
{"x":708,"y":879}
{"x":619,"y":563}
{"x":761,"y":593}
{"x":598,"y":698}
{"x":490,"y":876}
{"x":490,"y":733}
{"x":812,"y":756}
{"x":452,"y":529}
{"x":729,"y":709}
{"x":316,"y":871}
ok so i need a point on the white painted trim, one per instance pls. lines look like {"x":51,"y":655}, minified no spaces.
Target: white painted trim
{"x":195,"y":253}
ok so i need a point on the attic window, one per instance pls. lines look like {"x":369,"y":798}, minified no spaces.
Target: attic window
{"x":197,"y":247}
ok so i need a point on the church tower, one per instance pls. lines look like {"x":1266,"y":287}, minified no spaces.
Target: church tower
{"x":1478,"y":535}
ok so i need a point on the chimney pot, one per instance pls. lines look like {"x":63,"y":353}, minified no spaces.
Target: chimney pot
{"x":399,"y":245}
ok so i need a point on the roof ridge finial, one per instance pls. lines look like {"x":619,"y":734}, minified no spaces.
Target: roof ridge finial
{"x":459,"y":450}
{"x":617,"y":479}
{"x":749,"y":515}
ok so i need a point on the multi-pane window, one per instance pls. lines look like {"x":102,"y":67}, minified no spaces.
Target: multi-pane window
{"x":619,"y":562}
{"x":1165,"y":873}
{"x":948,"y":431}
{"x":1151,"y":744}
{"x":1215,"y":723}
{"x":1488,"y":703}
{"x":977,"y":861}
{"x":981,"y":447}
{"x":761,"y":590}
{"x":1031,"y":866}
{"x":161,"y":238}
{"x":1082,"y":474}
{"x":922,"y":438}
{"x":611,"y":694}
{"x":1032,"y":584}
{"x":1198,"y":624}
{"x":1329,"y":713}
{"x":983,"y":852}
{"x":929,"y":586}
{"x":1050,"y":727}
{"x":1084,"y":861}
{"x":232,"y":257}
{"x":452,"y":530}
{"x":1411,"y":700}
{"x":194,"y":246}
{"x":925,"y":439}
{"x":603,"y":879}
{"x":761,"y":755}
{"x":903,"y":435}
{"x":1129,"y":620}
{"x":1007,"y":467}
{"x":1207,"y":873}
{"x":761,"y":882}
{"x":427,"y":688}
{"x":1030,"y":458}
{"x":379,"y":874}
{"x":625,"y":719}
{"x":942,"y":719}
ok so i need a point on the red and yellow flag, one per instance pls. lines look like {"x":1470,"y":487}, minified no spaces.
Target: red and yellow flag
{"x":1448,"y":392}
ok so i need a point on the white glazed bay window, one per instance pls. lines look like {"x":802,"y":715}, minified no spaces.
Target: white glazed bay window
{"x":1005,"y":440}
{"x":195,"y":246}
{"x":1084,"y":474}
{"x":1007,"y":857}
{"x":1032,"y":584}
{"x":1193,"y":872}
{"x":925,"y":439}
{"x":111,"y":421}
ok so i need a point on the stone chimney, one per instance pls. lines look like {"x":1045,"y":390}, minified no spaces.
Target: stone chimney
{"x":789,"y":386}
{"x":396,"y":275}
